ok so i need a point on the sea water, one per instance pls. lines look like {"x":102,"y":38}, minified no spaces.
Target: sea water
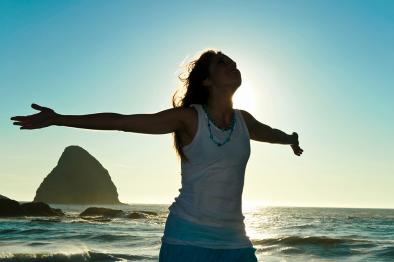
{"x":278,"y":234}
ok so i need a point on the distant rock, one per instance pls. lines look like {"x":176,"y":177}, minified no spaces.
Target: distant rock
{"x":3,"y":197}
{"x":136,"y":215}
{"x":148,"y":212}
{"x":40,"y":209}
{"x":106,"y":213}
{"x":101,"y":211}
{"x":78,"y":178}
{"x":141,"y":214}
{"x":12,"y":208}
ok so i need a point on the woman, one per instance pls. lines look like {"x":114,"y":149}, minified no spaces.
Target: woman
{"x":205,"y":222}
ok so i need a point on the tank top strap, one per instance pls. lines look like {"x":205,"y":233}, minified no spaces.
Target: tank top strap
{"x":198,"y":107}
{"x":199,"y":126}
{"x":242,"y":122}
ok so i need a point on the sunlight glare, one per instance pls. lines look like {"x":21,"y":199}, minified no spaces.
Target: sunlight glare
{"x":251,"y":206}
{"x":244,"y":98}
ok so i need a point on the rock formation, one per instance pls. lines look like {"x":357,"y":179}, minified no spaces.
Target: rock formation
{"x":12,"y":208}
{"x":101,"y":211}
{"x":3,"y":197}
{"x":78,"y":178}
{"x":40,"y":209}
{"x":106,"y":213}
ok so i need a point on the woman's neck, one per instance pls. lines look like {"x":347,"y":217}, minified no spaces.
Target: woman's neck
{"x":221,"y":112}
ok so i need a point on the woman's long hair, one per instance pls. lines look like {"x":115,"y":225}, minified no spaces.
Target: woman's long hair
{"x":195,"y":92}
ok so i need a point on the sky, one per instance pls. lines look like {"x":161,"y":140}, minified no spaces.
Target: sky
{"x":323,"y":69}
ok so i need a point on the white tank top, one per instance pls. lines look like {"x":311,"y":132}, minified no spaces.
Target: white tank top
{"x":213,"y":180}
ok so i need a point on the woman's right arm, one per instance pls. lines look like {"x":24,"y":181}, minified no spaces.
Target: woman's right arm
{"x":166,"y":121}
{"x":163,"y":122}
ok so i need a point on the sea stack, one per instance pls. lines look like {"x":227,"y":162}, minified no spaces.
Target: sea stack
{"x":3,"y":197}
{"x":78,"y":178}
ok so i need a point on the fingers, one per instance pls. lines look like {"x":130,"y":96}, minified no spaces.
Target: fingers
{"x":18,"y":118}
{"x":35,"y":106}
{"x":21,"y":118}
{"x":24,"y":125}
{"x":297,"y":150}
{"x":27,"y":126}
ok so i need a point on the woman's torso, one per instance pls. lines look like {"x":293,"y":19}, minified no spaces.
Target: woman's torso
{"x":212,"y":182}
{"x":186,"y":135}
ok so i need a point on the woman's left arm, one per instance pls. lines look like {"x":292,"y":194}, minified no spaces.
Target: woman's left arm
{"x":264,"y":133}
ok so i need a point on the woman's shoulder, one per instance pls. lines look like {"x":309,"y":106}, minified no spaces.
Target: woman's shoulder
{"x":192,"y":110}
{"x":190,"y":123}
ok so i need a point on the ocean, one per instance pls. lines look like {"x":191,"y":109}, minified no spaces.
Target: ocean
{"x":278,"y":234}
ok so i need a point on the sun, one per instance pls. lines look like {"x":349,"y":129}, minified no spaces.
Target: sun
{"x":244,"y":98}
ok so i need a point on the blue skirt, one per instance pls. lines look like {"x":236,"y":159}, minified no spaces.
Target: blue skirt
{"x":189,"y":242}
{"x":189,"y":253}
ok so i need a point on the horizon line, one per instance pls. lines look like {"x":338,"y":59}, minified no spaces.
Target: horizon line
{"x":254,"y":205}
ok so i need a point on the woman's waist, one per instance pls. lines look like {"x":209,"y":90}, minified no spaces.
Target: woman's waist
{"x":182,"y":230}
{"x":195,"y":227}
{"x":230,"y":217}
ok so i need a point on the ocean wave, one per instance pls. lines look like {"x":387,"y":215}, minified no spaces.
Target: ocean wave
{"x":327,"y":247}
{"x":291,"y":250}
{"x":45,"y":220}
{"x":104,"y":237}
{"x":302,"y":226}
{"x":37,"y":243}
{"x":310,"y":240}
{"x":387,"y":252}
{"x":115,"y":237}
{"x":84,"y":256}
{"x":7,"y":231}
{"x":33,"y":231}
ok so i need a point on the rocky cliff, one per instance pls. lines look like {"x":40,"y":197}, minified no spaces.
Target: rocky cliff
{"x":78,"y":178}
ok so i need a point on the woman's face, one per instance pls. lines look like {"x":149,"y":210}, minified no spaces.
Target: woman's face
{"x":224,"y":72}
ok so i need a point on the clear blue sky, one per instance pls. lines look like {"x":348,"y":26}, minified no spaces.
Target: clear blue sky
{"x":324,"y":69}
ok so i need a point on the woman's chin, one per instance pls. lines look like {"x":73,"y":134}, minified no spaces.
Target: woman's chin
{"x":239,"y":82}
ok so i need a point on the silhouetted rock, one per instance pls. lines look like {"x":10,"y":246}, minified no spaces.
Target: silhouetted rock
{"x":78,"y":178}
{"x":10,"y":208}
{"x":135,"y":215}
{"x":40,"y":209}
{"x":148,"y":212}
{"x":101,"y":211}
{"x":3,"y":197}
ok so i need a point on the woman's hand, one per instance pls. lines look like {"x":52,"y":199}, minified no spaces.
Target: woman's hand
{"x":42,"y":119}
{"x":295,"y":146}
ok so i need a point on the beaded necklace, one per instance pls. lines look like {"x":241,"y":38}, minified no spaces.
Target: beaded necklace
{"x":222,"y":129}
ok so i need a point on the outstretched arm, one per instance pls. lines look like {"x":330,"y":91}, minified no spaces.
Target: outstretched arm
{"x":165,"y":121}
{"x":264,"y":133}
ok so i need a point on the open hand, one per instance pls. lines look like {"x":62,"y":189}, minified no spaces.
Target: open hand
{"x":295,"y":146}
{"x":42,"y":119}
